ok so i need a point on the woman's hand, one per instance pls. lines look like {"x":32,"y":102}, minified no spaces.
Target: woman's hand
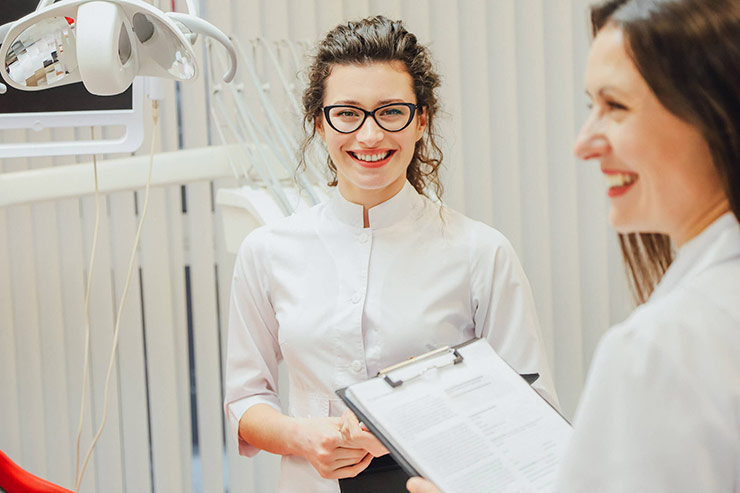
{"x":330,"y":451}
{"x":354,"y":432}
{"x":420,"y":485}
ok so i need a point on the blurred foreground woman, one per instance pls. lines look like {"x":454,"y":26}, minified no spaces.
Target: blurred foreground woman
{"x":661,"y":407}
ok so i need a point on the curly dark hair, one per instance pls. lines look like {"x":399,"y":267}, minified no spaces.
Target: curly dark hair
{"x":371,"y":40}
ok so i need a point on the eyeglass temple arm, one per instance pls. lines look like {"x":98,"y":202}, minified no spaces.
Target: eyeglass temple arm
{"x":200,"y":26}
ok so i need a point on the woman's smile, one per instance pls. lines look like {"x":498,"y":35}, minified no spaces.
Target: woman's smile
{"x":619,"y":182}
{"x":374,"y":158}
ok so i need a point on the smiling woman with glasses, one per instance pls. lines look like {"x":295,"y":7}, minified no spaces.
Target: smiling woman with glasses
{"x":375,"y":275}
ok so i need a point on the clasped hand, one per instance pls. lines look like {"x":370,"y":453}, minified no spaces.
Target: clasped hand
{"x":339,"y":447}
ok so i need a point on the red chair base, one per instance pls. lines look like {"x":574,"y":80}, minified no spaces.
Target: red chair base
{"x":14,"y":479}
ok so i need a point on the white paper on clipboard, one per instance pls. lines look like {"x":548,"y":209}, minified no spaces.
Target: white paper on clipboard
{"x":464,"y":419}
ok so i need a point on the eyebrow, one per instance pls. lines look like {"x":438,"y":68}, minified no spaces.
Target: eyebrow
{"x":606,"y":89}
{"x":380,"y":103}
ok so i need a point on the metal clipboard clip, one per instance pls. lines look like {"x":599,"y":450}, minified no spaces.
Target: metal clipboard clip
{"x":415,"y":359}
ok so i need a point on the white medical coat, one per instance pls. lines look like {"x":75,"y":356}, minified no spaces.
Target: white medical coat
{"x":339,"y":302}
{"x":661,"y":408}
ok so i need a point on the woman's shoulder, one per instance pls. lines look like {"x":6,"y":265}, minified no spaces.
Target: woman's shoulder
{"x":706,"y":303}
{"x":695,"y":326}
{"x":717,"y":287}
{"x":281,"y":231}
{"x":473,"y":232}
{"x":686,"y":312}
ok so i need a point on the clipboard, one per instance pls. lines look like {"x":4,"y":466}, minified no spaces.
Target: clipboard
{"x":418,"y":377}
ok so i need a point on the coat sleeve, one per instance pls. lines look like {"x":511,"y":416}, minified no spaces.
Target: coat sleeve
{"x":504,"y":310}
{"x":253,"y":352}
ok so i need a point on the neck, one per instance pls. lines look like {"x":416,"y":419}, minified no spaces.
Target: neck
{"x":693,"y":228}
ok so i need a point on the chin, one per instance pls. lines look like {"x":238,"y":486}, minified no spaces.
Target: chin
{"x":622,"y":224}
{"x":368,"y":185}
{"x":372,"y":181}
{"x":626,"y":226}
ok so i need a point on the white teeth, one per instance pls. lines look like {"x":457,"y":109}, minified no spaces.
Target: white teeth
{"x":372,"y":157}
{"x":619,"y":179}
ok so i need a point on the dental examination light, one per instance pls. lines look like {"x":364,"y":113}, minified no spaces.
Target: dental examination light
{"x":104,"y":44}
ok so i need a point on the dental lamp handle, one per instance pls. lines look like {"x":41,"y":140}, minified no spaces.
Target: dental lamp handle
{"x":200,"y":26}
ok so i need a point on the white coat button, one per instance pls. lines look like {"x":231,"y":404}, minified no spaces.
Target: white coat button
{"x":356,"y":298}
{"x":356,"y":365}
{"x":363,"y":237}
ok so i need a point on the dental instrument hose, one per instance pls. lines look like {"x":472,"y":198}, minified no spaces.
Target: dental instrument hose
{"x":85,"y":364}
{"x":78,"y":478}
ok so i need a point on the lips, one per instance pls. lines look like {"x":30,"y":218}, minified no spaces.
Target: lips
{"x":619,"y":182}
{"x":372,"y":159}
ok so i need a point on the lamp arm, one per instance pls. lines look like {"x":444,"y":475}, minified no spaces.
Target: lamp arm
{"x":4,"y":30}
{"x":201,"y":26}
{"x":193,"y":8}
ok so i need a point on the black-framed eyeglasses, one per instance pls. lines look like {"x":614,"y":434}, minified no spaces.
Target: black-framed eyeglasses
{"x":392,"y":117}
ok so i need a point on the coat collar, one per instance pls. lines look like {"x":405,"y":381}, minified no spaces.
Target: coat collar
{"x":382,"y":215}
{"x":719,"y":242}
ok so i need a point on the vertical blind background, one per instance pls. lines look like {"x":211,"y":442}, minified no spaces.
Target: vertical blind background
{"x":513,"y":101}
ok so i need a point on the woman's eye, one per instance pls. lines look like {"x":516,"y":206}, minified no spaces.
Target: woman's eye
{"x":613,"y":105}
{"x":392,"y":112}
{"x":346,"y":113}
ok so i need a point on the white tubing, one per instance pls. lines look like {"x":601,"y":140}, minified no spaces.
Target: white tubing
{"x":277,"y":126}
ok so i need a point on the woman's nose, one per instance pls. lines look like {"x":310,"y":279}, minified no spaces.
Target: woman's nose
{"x":591,"y":141}
{"x":369,"y":133}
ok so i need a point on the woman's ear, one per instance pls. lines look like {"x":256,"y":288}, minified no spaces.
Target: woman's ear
{"x":319,"y":126}
{"x":422,"y":124}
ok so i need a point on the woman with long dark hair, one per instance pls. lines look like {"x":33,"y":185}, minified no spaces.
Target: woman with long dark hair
{"x":660,"y":408}
{"x":661,"y":404}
